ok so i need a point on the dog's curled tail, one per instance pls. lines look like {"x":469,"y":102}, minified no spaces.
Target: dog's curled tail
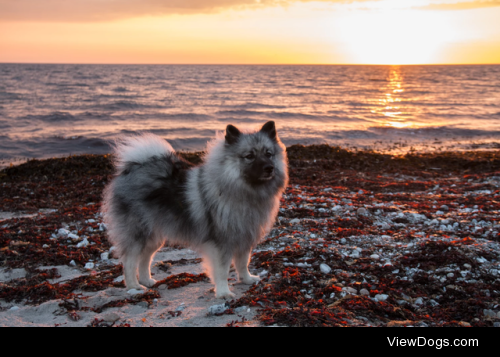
{"x":139,"y":149}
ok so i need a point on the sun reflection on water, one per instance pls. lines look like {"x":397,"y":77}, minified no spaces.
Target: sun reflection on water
{"x":390,"y":104}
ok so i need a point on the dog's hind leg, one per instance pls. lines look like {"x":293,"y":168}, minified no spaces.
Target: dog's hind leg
{"x":130,"y":261}
{"x":218,"y":265}
{"x":145,"y":263}
{"x":241,"y":261}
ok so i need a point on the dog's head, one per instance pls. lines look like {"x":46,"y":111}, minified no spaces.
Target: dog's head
{"x":261,"y":156}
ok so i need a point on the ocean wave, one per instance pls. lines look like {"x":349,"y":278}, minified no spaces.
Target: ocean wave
{"x":53,"y":117}
{"x":126,"y":105}
{"x":435,"y":131}
{"x":120,"y":89}
{"x":8,"y":96}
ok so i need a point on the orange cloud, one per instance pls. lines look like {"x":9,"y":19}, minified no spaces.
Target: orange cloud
{"x":461,"y":5}
{"x":104,"y":10}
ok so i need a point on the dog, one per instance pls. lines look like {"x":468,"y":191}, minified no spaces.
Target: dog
{"x":221,"y":208}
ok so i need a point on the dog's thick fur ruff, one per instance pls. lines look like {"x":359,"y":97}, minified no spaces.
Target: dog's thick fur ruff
{"x":221,"y":208}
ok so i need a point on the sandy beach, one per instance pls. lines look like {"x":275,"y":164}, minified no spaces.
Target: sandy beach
{"x":362,"y":239}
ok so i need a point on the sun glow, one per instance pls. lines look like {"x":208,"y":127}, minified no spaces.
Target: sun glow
{"x":395,"y":36}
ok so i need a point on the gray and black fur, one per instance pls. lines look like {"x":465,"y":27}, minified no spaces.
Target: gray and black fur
{"x":221,"y":208}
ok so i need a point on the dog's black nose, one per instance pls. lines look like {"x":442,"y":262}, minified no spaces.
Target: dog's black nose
{"x":269,"y":169}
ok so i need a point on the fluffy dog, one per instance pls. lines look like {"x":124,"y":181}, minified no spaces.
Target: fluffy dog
{"x":221,"y":208}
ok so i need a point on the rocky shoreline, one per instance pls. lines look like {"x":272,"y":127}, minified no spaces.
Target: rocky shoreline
{"x":362,"y":239}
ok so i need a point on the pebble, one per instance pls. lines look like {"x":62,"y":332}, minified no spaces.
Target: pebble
{"x":325,"y":269}
{"x":445,"y":208}
{"x":105,"y":256}
{"x":45,"y":246}
{"x":489,"y":313}
{"x":364,"y":292}
{"x":351,"y":291}
{"x":112,"y":317}
{"x":419,"y":301}
{"x":381,"y":297}
{"x":363,"y":212}
{"x":295,"y":221}
{"x":89,"y":266}
{"x":182,"y":307}
{"x":63,"y":232}
{"x":241,"y":309}
{"x":119,"y":279}
{"x":83,"y":243}
{"x":72,"y":263}
{"x":468,"y":266}
{"x":217,"y":309}
{"x":15,"y":308}
{"x":73,"y":236}
{"x":450,"y":275}
{"x":162,"y":287}
{"x":375,"y":256}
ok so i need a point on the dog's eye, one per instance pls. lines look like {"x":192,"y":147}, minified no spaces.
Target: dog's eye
{"x":269,"y":154}
{"x":250,"y":156}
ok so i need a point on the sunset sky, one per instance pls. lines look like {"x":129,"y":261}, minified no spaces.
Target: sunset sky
{"x":250,"y":31}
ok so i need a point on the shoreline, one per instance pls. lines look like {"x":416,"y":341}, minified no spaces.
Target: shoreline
{"x":362,"y":239}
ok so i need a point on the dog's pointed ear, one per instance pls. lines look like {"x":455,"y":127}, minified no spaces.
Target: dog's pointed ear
{"x":270,"y":129}
{"x":232,"y":134}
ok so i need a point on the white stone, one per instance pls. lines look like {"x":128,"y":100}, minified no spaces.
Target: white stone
{"x":73,"y":236}
{"x":381,"y":297}
{"x":325,"y":269}
{"x":83,"y":243}
{"x":419,"y":301}
{"x":351,"y":291}
{"x":45,"y":246}
{"x":295,"y":221}
{"x":112,"y":317}
{"x":217,"y":309}
{"x":89,"y":266}
{"x":450,"y":275}
{"x":105,"y":256}
{"x":119,"y":279}
{"x":375,"y":256}
{"x":364,"y":292}
{"x":363,"y":212}
{"x":15,"y":308}
{"x":182,"y":307}
{"x":72,"y":263}
{"x":63,"y":232}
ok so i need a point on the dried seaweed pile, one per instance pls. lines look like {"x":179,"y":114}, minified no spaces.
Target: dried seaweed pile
{"x":362,"y":239}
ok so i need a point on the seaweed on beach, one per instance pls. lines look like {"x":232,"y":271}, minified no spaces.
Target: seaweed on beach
{"x":408,"y":240}
{"x":181,"y":280}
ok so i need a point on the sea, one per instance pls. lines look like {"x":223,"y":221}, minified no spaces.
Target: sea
{"x":64,"y":109}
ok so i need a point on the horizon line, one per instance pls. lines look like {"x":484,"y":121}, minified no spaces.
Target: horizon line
{"x":253,"y":64}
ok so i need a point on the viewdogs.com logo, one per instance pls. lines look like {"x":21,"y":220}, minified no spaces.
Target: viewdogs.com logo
{"x":428,"y":342}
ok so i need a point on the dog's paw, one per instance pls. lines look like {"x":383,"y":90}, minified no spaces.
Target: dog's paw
{"x":250,"y":280}
{"x":137,"y":287}
{"x":225,"y":295}
{"x":149,"y":283}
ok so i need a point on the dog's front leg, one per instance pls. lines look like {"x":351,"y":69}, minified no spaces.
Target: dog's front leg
{"x":241,"y":262}
{"x":218,"y":265}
